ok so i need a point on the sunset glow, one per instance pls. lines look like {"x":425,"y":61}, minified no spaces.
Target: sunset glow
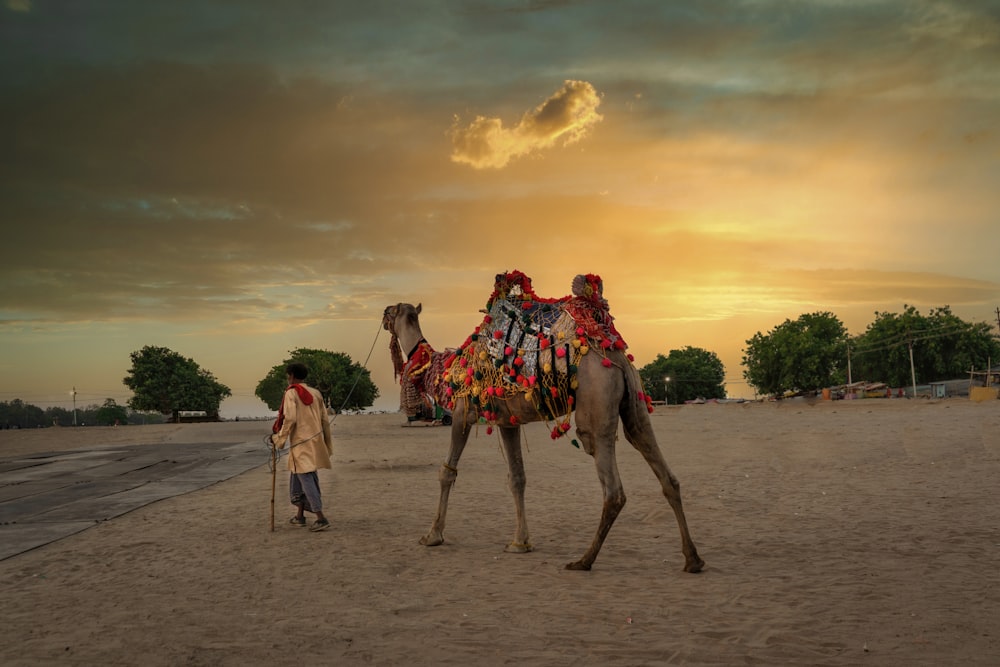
{"x":248,"y":179}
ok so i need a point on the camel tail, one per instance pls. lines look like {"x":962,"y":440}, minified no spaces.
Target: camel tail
{"x":632,"y":409}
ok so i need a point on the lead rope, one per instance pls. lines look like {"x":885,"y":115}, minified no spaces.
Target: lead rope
{"x":357,"y":377}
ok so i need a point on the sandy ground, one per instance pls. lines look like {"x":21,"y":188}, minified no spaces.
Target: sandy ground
{"x":836,"y":533}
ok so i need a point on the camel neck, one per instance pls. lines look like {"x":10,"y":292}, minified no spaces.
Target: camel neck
{"x":409,"y":341}
{"x":413,"y":348}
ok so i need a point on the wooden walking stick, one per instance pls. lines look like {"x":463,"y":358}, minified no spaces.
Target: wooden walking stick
{"x":274,"y":475}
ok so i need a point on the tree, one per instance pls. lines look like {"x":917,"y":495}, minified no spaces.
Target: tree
{"x":163,"y":381}
{"x":801,"y":355}
{"x":18,"y":414}
{"x":944,"y":347}
{"x":56,"y":416}
{"x":693,"y":372}
{"x":111,"y":413}
{"x":343,"y":383}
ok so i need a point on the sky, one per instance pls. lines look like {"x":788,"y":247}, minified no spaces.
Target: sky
{"x":234,"y":181}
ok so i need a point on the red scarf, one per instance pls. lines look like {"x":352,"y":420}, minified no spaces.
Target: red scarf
{"x":304,"y":394}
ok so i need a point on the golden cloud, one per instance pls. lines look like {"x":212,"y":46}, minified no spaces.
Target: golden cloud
{"x":564,"y":117}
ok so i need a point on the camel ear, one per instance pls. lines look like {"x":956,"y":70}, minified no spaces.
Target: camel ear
{"x":419,"y":307}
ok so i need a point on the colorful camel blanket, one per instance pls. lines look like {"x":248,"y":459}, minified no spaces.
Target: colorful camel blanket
{"x":531,"y":345}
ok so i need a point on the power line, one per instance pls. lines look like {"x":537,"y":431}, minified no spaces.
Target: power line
{"x":908,"y":338}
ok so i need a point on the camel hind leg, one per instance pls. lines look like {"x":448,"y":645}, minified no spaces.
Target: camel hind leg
{"x":639,"y":432}
{"x":460,"y":429}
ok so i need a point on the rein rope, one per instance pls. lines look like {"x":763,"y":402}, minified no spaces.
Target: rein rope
{"x":357,"y":377}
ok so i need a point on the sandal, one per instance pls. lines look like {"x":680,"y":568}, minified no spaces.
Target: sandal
{"x":322,"y":524}
{"x":296,"y":521}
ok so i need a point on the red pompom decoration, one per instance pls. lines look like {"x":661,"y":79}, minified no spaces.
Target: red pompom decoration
{"x":606,"y":362}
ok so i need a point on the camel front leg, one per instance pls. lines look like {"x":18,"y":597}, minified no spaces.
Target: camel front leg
{"x":511,"y":438}
{"x":460,"y":429}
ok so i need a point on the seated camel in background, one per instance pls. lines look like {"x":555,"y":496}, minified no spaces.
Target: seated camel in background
{"x":536,"y":359}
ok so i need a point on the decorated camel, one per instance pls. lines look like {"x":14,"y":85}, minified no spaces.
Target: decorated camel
{"x":536,"y":359}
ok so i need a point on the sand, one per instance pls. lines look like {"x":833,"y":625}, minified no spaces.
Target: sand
{"x":835,"y":533}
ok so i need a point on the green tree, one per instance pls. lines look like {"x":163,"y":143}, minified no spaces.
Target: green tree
{"x":343,"y":383}
{"x":166,"y":382}
{"x":111,"y":413}
{"x":18,"y":414}
{"x":801,"y":355}
{"x":944,"y":347}
{"x":692,"y":371}
{"x":57,"y":416}
{"x":86,"y":415}
{"x":143,"y":418}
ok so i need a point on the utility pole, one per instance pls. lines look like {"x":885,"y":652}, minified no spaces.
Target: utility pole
{"x":913,"y":374}
{"x":849,"y":381}
{"x":74,"y":406}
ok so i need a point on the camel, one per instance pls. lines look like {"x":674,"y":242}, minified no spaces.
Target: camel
{"x":595,"y":378}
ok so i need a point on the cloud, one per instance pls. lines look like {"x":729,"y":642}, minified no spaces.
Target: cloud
{"x":954,"y":26}
{"x":567,"y":116}
{"x":180,"y":192}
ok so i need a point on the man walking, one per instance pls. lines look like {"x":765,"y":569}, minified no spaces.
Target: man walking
{"x":303,"y":426}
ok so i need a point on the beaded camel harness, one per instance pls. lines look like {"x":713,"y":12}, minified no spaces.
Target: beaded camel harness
{"x":530,"y":345}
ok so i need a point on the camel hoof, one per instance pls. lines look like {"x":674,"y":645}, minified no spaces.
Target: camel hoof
{"x":578,"y":565}
{"x":432,"y":540}
{"x":694,"y":568}
{"x":517,"y":548}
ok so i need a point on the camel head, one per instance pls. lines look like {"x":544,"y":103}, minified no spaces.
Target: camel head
{"x":398,"y":319}
{"x":392,"y":315}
